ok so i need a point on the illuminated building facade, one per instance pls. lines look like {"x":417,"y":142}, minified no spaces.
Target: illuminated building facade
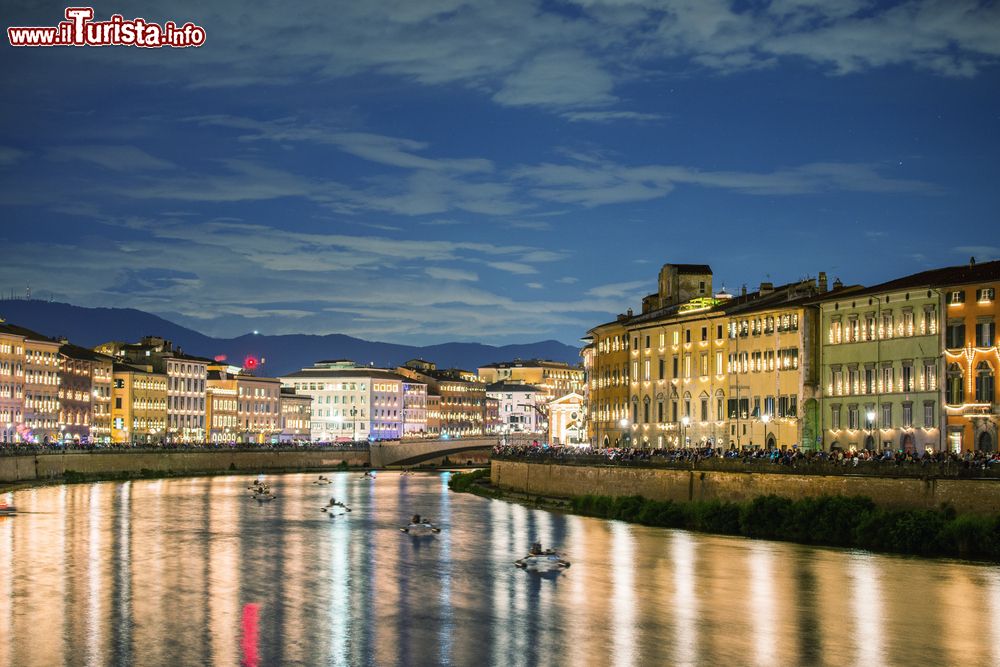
{"x":772,"y":366}
{"x":84,"y":395}
{"x":296,"y":415}
{"x":553,"y":378}
{"x":972,"y":358}
{"x":608,"y":383}
{"x":221,"y":415}
{"x":520,"y":407}
{"x":138,"y":405}
{"x":881,"y":365}
{"x":463,"y":397}
{"x":41,"y":388}
{"x":415,"y":410}
{"x":11,"y":384}
{"x":351,"y":402}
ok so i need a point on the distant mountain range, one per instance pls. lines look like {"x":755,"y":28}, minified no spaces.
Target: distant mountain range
{"x":282,"y":354}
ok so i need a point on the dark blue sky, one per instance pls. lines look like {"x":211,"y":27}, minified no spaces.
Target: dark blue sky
{"x":502,"y":171}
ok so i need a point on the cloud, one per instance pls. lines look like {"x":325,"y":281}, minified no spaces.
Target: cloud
{"x":611,"y":116}
{"x":116,"y":158}
{"x":513,"y":267}
{"x":533,"y":285}
{"x":617,"y":290}
{"x":601,"y":182}
{"x":559,"y":79}
{"x":9,"y":156}
{"x":567,"y":280}
{"x":450,"y":274}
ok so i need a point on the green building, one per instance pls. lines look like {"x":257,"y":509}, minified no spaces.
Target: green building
{"x":881,"y":365}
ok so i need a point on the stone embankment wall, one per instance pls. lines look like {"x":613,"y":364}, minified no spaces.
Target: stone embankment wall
{"x":974,"y":496}
{"x":50,"y":466}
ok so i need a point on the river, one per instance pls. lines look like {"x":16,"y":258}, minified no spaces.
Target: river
{"x":193,"y":571}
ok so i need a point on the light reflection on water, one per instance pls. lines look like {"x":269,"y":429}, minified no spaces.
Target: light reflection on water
{"x":193,"y":571}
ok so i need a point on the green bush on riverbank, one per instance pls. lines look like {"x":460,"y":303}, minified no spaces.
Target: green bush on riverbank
{"x":462,"y":481}
{"x":829,"y":521}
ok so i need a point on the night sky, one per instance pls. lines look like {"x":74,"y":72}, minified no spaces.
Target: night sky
{"x":417,"y":171}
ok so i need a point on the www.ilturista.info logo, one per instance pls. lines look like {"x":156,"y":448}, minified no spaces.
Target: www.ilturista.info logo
{"x":79,"y":29}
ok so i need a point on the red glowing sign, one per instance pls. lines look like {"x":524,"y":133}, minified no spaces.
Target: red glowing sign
{"x":220,"y":357}
{"x":251,"y":362}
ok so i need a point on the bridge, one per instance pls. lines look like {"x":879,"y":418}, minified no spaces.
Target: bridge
{"x":411,"y":453}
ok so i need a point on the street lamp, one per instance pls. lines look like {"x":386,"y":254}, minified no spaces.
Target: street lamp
{"x":685,"y":422}
{"x":871,"y":427}
{"x":766,"y":418}
{"x":624,"y":424}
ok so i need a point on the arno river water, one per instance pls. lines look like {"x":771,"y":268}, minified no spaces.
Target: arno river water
{"x":193,"y":571}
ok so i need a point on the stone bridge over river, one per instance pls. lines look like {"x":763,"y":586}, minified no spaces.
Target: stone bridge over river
{"x":57,"y":464}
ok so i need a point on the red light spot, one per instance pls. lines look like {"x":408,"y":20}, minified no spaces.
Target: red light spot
{"x":220,"y":357}
{"x":250,"y":362}
{"x":251,"y":613}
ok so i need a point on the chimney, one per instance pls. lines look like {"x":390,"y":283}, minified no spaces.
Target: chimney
{"x":743,"y":290}
{"x":629,"y":312}
{"x":821,"y":282}
{"x":837,"y":284}
{"x":972,"y":262}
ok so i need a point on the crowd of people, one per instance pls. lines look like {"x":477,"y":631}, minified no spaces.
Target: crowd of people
{"x":26,"y":448}
{"x":749,"y":456}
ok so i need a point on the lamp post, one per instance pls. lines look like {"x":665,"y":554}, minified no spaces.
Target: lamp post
{"x":871,"y":428}
{"x":624,"y":424}
{"x":685,"y":422}
{"x":766,"y":418}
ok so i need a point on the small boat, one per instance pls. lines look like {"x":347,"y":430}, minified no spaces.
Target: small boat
{"x":263,"y":497}
{"x":368,"y":475}
{"x":323,"y":480}
{"x":335,"y":507}
{"x":7,"y":510}
{"x":420,"y":526}
{"x":542,"y":560}
{"x":406,"y":473}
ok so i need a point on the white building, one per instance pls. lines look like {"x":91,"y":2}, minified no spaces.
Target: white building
{"x":566,"y":421}
{"x":521,"y":406}
{"x":353,"y":403}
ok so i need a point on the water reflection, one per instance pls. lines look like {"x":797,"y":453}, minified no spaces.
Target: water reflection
{"x":195,"y":572}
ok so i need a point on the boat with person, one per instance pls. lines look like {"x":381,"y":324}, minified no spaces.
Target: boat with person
{"x":420,"y":526}
{"x":542,"y":560}
{"x":335,"y":508}
{"x":7,"y":510}
{"x":323,"y":480}
{"x":369,"y":474}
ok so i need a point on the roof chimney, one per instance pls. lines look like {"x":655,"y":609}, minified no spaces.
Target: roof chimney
{"x":972,"y":262}
{"x":629,"y":312}
{"x":821,"y":282}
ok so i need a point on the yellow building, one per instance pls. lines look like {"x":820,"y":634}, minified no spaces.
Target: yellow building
{"x":220,"y":410}
{"x":972,"y":358}
{"x":12,"y":426}
{"x":608,"y":385}
{"x":772,"y":366}
{"x":41,"y":388}
{"x":554,"y":378}
{"x":138,"y":405}
{"x":296,"y":415}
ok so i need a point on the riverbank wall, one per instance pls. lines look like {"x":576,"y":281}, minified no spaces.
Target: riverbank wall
{"x":966,"y":496}
{"x":44,"y":467}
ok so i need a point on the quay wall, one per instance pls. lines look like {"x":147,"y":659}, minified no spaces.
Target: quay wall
{"x":972,"y":496}
{"x":52,"y":466}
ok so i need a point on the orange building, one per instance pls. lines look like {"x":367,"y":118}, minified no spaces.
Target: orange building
{"x":972,"y":359}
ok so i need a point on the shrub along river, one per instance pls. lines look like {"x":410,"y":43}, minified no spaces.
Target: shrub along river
{"x":194,"y":571}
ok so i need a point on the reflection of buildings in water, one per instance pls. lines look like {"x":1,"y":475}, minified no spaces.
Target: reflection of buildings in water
{"x":763,"y":607}
{"x":868,"y":622}
{"x":224,"y":567}
{"x":6,"y":579}
{"x":685,"y":601}
{"x":623,"y":594}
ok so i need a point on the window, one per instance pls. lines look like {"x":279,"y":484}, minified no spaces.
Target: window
{"x":659,"y":411}
{"x":635,"y":369}
{"x":985,"y":295}
{"x":887,"y":379}
{"x":835,"y":417}
{"x":704,"y":409}
{"x":661,"y":369}
{"x":704,"y":364}
{"x":985,"y":333}
{"x":647,"y":342}
{"x":645,"y":370}
{"x":907,"y":377}
{"x":853,"y":422}
{"x":675,"y":366}
{"x":718,"y":364}
{"x":719,"y":414}
{"x":955,"y":335}
{"x":929,"y":414}
{"x":907,"y":415}
{"x":676,"y":337}
{"x":869,"y":386}
{"x":984,"y":383}
{"x":956,"y":297}
{"x":954,"y":389}
{"x":887,"y":415}
{"x":930,"y":376}
{"x":645,"y":411}
{"x":687,"y":365}
{"x":704,"y":333}
{"x":687,"y":335}
{"x":718,"y":332}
